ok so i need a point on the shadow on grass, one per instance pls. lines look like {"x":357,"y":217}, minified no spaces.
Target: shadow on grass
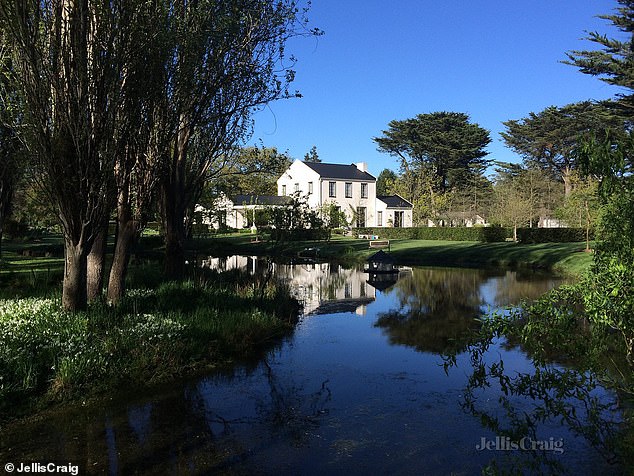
{"x":471,"y":254}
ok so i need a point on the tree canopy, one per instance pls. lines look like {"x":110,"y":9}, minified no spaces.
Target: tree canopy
{"x":548,"y":139}
{"x":443,"y":144}
{"x":613,"y":63}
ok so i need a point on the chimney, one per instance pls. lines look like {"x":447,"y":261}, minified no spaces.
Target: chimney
{"x":362,"y":166}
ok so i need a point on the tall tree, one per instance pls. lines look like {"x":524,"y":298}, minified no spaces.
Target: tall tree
{"x":9,"y":171}
{"x":612,"y":63}
{"x":143,"y":131}
{"x":511,"y":207}
{"x":543,"y":193}
{"x":608,"y":296}
{"x":548,"y":139}
{"x":441,"y":150}
{"x":9,"y":144}
{"x":445,"y":143}
{"x":312,"y":155}
{"x":385,"y":182}
{"x":69,"y":60}
{"x":227,"y":59}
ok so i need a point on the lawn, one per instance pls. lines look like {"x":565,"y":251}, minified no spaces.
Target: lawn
{"x":563,"y":258}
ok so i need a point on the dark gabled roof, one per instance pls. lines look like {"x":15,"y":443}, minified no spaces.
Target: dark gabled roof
{"x":380,"y":257}
{"x":261,"y":200}
{"x":338,"y":171}
{"x":394,"y":201}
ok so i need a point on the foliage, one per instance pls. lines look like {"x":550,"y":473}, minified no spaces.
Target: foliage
{"x":253,"y":171}
{"x":297,"y":222}
{"x":438,"y":152}
{"x":214,"y":80}
{"x":312,"y":155}
{"x":552,"y":331}
{"x":511,"y":208}
{"x":484,"y":234}
{"x":332,"y":216}
{"x":549,"y":138}
{"x":581,"y":207}
{"x":552,"y":235}
{"x":154,"y":334}
{"x":445,"y":143}
{"x":612,"y":63}
{"x":542,"y":192}
{"x":609,"y":296}
{"x":386,"y":182}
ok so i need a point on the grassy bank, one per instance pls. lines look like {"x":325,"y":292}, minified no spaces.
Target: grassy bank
{"x":156,"y":335}
{"x":563,"y":258}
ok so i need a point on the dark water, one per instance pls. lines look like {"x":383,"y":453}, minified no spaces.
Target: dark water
{"x":358,"y":389}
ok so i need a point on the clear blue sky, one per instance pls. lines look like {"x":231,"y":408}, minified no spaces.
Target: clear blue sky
{"x":492,"y":59}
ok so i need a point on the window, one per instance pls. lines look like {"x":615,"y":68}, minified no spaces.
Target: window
{"x":310,"y":187}
{"x":399,"y":219}
{"x":297,"y":187}
{"x":347,"y":291}
{"x":284,"y":190}
{"x":332,"y":189}
{"x":364,"y":190}
{"x":379,"y":218}
{"x":360,"y":217}
{"x":348,"y":189}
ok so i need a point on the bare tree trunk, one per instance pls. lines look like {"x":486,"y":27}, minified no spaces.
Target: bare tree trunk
{"x":587,"y":226}
{"x":95,"y":265}
{"x":121,"y":258}
{"x":74,"y":296}
{"x":566,"y":175}
{"x":6,"y":195}
{"x":174,"y":245}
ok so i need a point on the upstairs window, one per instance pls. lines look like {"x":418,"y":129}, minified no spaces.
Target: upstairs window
{"x":310,"y":187}
{"x":364,"y":190}
{"x":332,"y":189}
{"x":297,"y":187}
{"x":284,"y":190}
{"x":348,"y":189}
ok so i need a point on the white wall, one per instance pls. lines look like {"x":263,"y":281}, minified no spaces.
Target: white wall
{"x":299,"y":173}
{"x":388,"y":215}
{"x":349,"y":205}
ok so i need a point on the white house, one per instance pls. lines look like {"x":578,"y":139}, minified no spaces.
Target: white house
{"x":238,"y":211}
{"x":350,"y":188}
{"x":393,"y":210}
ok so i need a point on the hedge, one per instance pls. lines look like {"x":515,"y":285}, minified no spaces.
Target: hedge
{"x":486,"y":234}
{"x":306,"y":234}
{"x":552,"y":235}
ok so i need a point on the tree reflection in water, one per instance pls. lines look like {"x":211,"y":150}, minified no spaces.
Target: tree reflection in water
{"x":445,"y":312}
{"x":438,"y":309}
{"x":527,"y":403}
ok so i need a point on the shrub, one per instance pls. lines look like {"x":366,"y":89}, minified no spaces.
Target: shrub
{"x":552,"y":235}
{"x":486,"y":234}
{"x":306,"y":234}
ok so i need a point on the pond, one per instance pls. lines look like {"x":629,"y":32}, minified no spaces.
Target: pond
{"x":359,"y":388}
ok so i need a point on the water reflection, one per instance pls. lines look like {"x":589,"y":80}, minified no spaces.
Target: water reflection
{"x":438,"y":308}
{"x":322,"y":288}
{"x":341,"y":396}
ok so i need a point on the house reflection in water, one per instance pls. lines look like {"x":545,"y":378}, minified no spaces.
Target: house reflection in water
{"x":323,"y":288}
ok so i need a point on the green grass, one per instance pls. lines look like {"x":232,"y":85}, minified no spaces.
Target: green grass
{"x":156,"y":335}
{"x":562,"y":258}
